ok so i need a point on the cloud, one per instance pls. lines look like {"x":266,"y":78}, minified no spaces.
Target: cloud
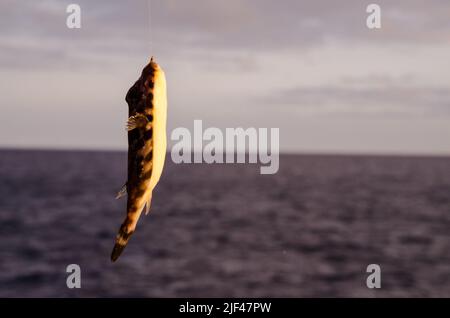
{"x":177,"y":27}
{"x":371,"y":95}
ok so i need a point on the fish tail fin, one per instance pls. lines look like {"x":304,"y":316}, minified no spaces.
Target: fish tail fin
{"x":122,"y":239}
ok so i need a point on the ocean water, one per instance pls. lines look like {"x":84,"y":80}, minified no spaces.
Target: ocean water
{"x":225,"y":230}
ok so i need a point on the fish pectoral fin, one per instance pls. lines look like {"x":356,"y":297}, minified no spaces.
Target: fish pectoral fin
{"x":148,"y":204}
{"x":136,"y":121}
{"x":122,"y":192}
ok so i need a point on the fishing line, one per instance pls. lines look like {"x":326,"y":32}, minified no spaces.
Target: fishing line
{"x":149,"y":26}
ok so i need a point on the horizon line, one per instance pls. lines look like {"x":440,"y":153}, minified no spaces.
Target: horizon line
{"x":285,"y":152}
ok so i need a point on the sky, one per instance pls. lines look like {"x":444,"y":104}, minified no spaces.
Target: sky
{"x":311,"y":68}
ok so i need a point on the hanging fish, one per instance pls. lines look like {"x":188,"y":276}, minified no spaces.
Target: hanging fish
{"x":146,"y":126}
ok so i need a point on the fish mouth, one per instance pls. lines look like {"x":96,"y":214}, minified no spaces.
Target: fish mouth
{"x":153,"y":63}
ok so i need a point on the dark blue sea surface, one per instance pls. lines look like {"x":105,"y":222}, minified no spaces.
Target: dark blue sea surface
{"x":226,"y":230}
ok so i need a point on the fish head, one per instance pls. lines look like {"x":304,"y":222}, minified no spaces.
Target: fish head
{"x":150,"y":68}
{"x":148,"y":73}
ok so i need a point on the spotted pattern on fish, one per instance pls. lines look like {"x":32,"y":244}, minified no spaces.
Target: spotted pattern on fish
{"x":140,"y":153}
